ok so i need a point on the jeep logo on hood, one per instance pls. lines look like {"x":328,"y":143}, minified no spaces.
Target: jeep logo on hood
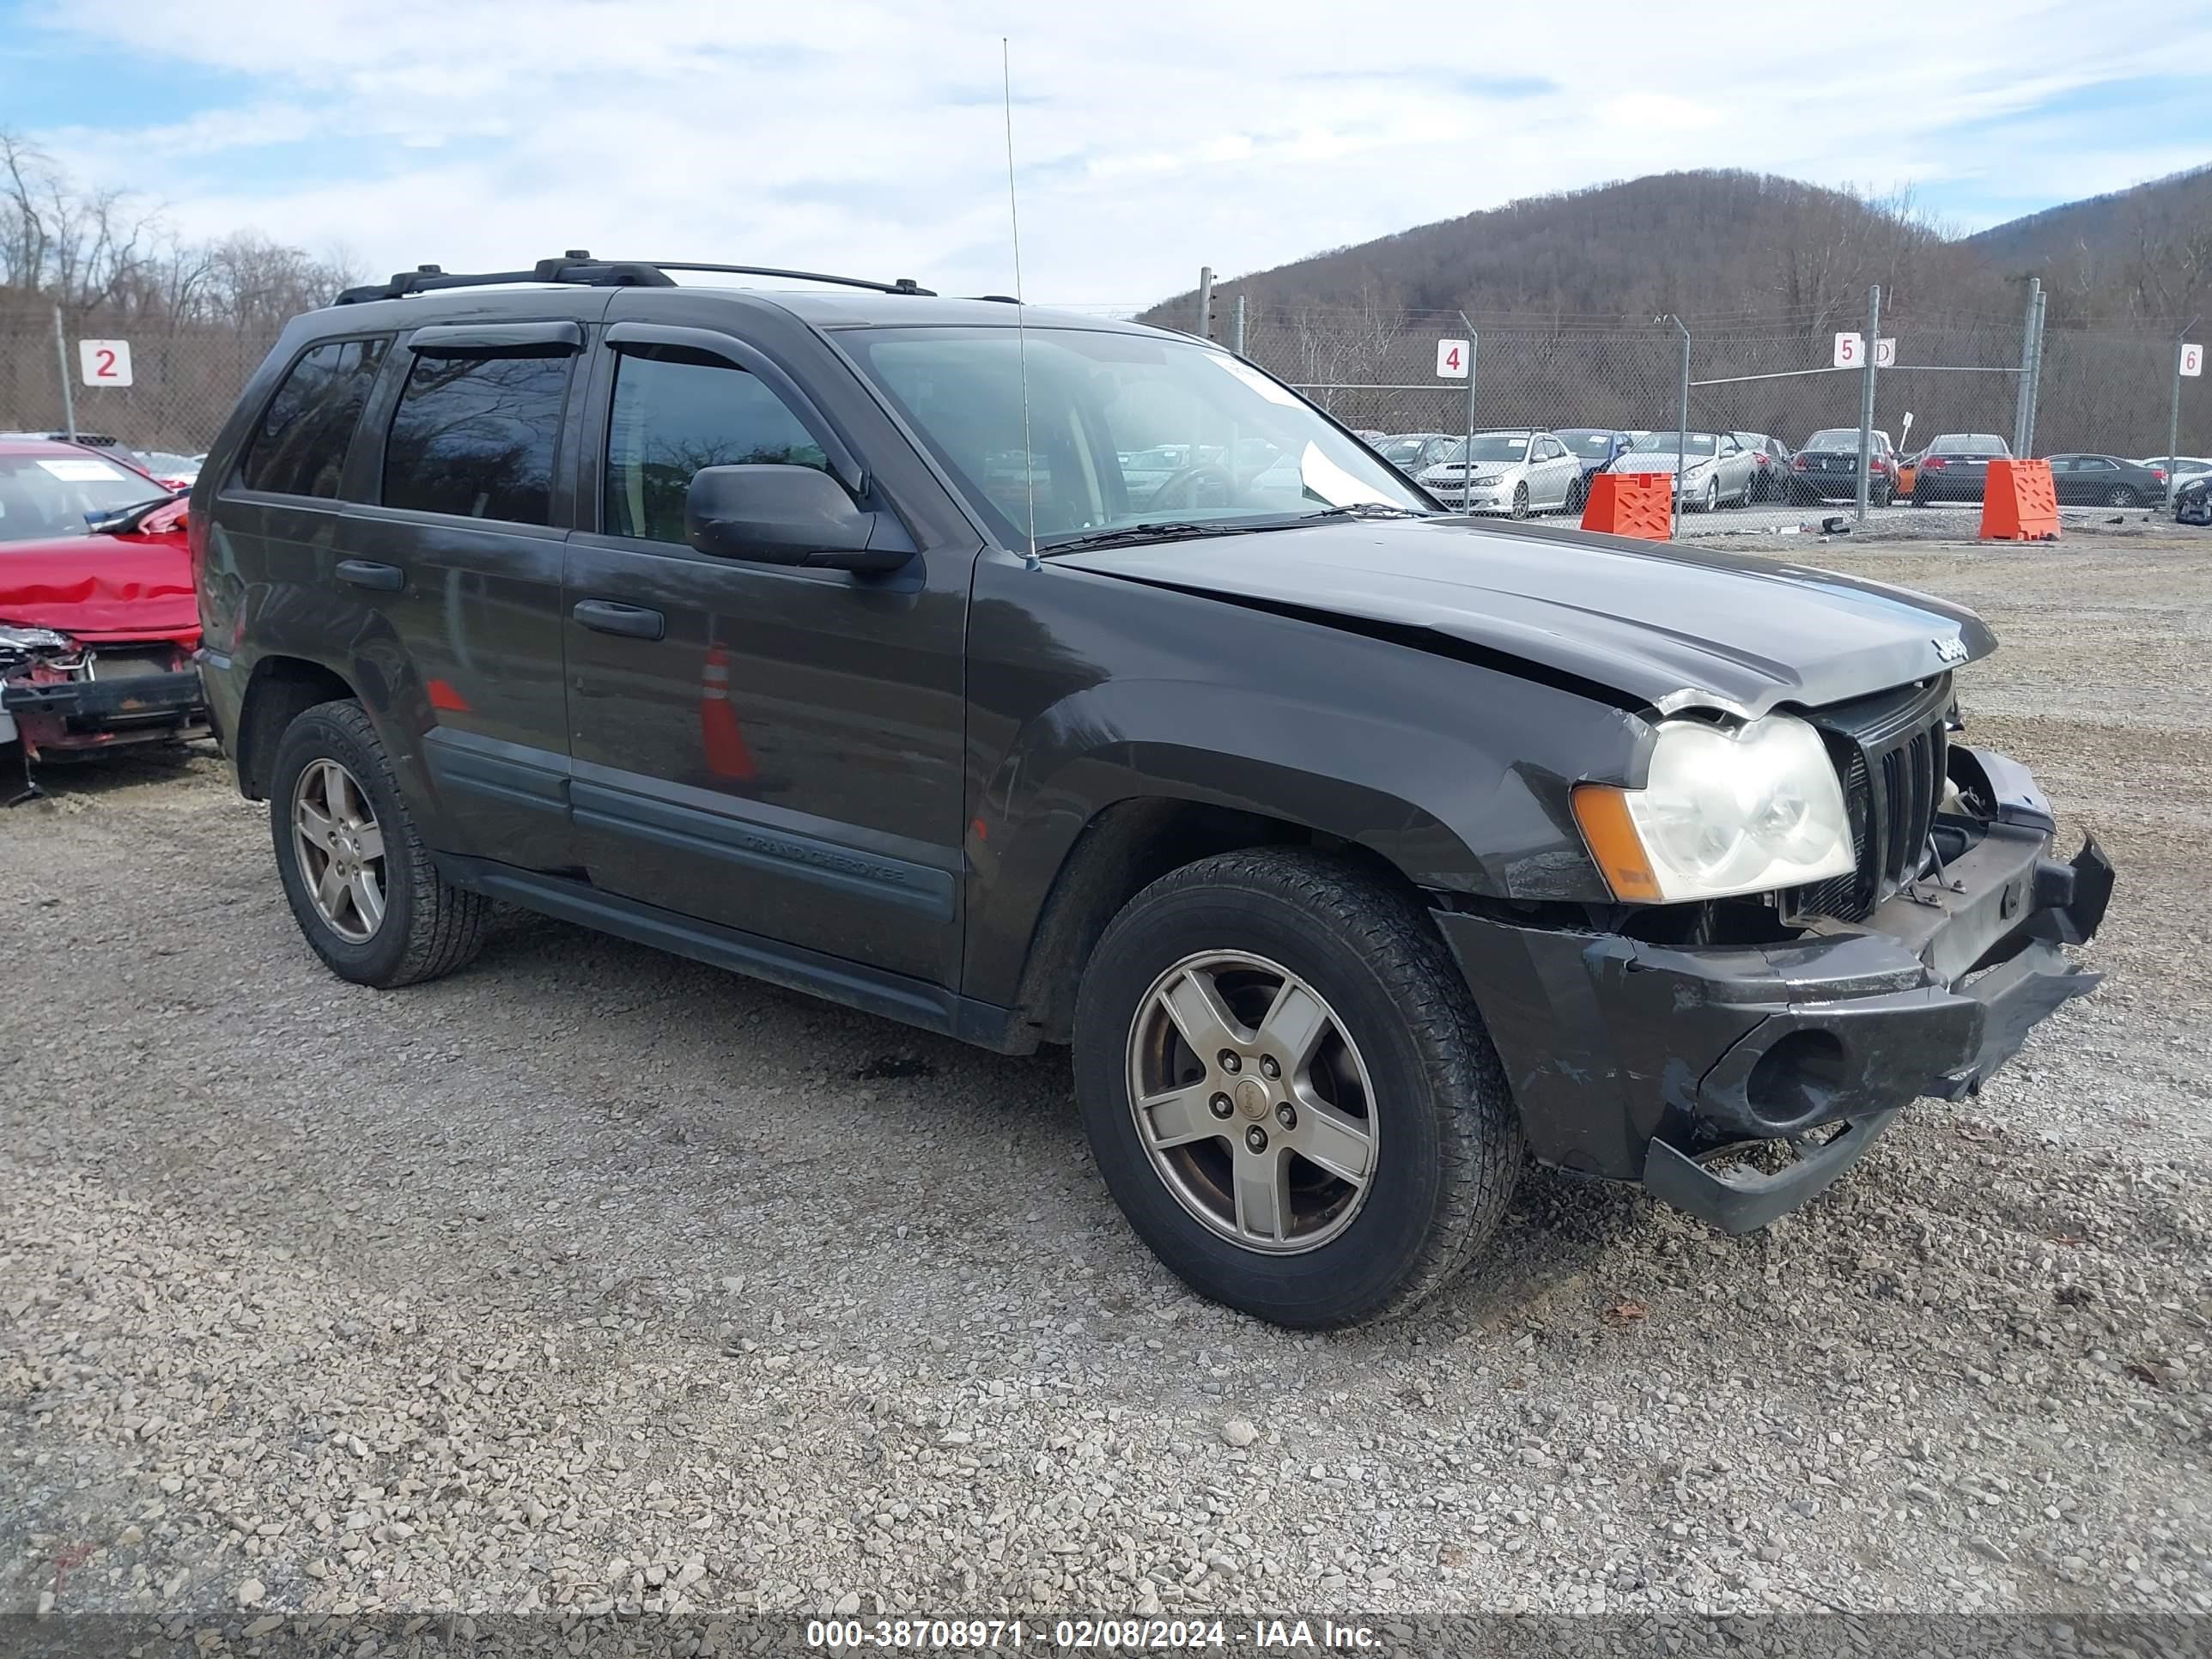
{"x":1949,"y":648}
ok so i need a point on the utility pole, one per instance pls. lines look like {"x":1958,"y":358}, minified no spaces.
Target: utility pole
{"x":2019,"y":421}
{"x":1206,"y":302}
{"x":1866,"y":398}
{"x":1682,"y":427}
{"x":1240,"y":325}
{"x":69,"y":391}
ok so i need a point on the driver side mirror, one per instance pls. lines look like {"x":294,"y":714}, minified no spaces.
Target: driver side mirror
{"x":777,"y":514}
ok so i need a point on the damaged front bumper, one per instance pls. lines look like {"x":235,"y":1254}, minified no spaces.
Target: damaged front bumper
{"x":58,"y":714}
{"x":1636,"y":1061}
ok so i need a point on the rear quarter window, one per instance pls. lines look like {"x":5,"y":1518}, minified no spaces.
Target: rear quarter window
{"x":299,"y":447}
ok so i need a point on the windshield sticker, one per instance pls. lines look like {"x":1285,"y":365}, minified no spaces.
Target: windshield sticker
{"x":1252,"y":377}
{"x":1323,"y":478}
{"x":86,"y":472}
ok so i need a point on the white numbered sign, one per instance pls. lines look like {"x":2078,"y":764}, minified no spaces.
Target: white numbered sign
{"x":2192,"y":359}
{"x":1451,"y":360}
{"x":104,"y":362}
{"x":1849,"y":351}
{"x":1885,"y":354}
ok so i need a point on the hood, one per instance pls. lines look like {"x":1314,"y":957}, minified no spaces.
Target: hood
{"x":101,"y":587}
{"x":1452,"y":471}
{"x":1653,"y":460}
{"x":1657,"y":625}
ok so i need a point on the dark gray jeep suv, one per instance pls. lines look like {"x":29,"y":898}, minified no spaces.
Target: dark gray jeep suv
{"x":865,"y":642}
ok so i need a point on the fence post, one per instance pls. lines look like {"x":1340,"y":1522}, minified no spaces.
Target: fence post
{"x":2020,"y":422}
{"x":69,"y":391}
{"x":1206,"y":302}
{"x":1467,"y":455}
{"x":1866,"y":399}
{"x":1682,"y":429}
{"x":2174,"y":409}
{"x":2035,"y":372}
{"x":1240,"y":325}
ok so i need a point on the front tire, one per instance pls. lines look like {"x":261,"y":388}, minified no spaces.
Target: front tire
{"x":359,"y":880}
{"x":1521,"y":500}
{"x":1370,"y":1144}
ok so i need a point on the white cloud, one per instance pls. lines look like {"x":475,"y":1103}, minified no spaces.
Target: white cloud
{"x":869,"y":137}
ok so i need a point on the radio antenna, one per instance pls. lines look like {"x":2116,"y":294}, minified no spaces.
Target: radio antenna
{"x":1021,"y":329}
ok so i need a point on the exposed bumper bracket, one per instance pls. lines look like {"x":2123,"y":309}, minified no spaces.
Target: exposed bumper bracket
{"x":1745,"y":1203}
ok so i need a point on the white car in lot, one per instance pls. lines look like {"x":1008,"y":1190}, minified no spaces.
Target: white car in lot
{"x":1517,"y":472}
{"x":1715,"y":468}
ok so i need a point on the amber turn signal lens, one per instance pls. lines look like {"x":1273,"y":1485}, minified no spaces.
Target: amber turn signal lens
{"x":1601,"y":810}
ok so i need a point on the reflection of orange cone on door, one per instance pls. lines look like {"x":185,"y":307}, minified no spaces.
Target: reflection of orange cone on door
{"x":727,"y":753}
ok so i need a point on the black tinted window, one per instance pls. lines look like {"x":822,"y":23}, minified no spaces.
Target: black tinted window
{"x":475,"y":436}
{"x":299,"y":448}
{"x":675,"y":413}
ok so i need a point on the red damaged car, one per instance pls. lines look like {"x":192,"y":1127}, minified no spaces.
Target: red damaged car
{"x":98,"y":623}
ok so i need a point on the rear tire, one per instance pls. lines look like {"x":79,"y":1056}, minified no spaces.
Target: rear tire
{"x":2121,"y":496}
{"x":398,"y":921}
{"x":1442,"y":1143}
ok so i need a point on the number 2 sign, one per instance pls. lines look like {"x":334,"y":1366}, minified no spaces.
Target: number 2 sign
{"x":104,"y":362}
{"x":1451,"y":360}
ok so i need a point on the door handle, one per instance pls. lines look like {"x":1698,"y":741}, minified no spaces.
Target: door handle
{"x":631,"y":621}
{"x":366,"y":572}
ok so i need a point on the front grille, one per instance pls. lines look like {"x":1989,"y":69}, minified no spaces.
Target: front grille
{"x":1890,"y":752}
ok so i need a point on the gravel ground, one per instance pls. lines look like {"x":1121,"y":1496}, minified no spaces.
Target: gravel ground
{"x":592,"y":1278}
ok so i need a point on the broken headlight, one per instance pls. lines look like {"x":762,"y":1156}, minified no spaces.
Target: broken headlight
{"x":1722,"y":812}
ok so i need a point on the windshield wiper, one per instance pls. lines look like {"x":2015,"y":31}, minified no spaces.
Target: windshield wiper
{"x":1171,"y":530}
{"x":1363,"y":510}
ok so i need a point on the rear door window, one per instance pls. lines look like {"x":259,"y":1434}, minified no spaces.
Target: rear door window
{"x":299,"y":448}
{"x":474,"y":437}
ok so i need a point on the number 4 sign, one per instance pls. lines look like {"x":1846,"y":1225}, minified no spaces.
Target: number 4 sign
{"x":2192,"y":359}
{"x":1451,"y":360}
{"x":104,"y":362}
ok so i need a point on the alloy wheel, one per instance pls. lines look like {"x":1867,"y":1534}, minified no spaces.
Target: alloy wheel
{"x":1252,"y":1102}
{"x":340,"y":848}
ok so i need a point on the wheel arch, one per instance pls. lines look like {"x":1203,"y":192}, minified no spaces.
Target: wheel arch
{"x":277,"y":692}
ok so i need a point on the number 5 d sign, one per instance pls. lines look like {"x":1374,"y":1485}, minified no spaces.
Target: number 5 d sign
{"x":104,"y":362}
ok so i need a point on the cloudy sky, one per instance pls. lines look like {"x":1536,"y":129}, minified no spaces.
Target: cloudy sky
{"x":1149,"y":139}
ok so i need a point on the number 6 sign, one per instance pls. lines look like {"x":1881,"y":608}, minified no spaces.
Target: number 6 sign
{"x":2192,"y":359}
{"x":104,"y":362}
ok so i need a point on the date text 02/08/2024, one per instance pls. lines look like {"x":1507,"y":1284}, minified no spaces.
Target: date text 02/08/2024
{"x":1106,"y":1634}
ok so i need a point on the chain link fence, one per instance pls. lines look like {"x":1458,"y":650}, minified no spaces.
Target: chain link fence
{"x":2095,"y":391}
{"x":1374,"y":369}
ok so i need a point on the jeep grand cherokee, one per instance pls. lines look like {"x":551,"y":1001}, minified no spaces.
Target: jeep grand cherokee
{"x":1356,"y":848}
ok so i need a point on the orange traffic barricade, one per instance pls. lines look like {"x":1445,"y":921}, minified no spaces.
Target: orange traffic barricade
{"x":2020,"y":503}
{"x":1630,"y":504}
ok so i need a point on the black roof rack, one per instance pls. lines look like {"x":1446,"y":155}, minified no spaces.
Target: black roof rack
{"x":578,"y":266}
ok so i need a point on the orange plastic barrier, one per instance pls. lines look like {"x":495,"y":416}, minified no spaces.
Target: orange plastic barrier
{"x":2020,"y":503}
{"x":1630,"y":504}
{"x":727,"y":756}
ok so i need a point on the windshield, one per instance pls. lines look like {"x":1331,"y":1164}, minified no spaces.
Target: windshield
{"x":1122,"y":431}
{"x":1587,"y":441}
{"x":1491,"y":447}
{"x":1400,"y":450}
{"x":1841,"y":437}
{"x":1697,"y":443}
{"x":42,"y":496}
